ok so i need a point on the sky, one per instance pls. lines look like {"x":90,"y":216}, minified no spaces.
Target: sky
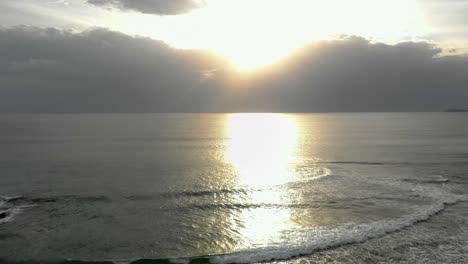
{"x":233,"y":55}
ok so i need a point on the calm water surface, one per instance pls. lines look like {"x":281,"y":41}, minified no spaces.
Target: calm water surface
{"x":243,"y":187}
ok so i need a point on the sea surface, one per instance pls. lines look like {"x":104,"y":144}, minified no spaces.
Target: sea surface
{"x":234,"y":188}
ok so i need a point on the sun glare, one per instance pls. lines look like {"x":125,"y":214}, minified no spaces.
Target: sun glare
{"x":261,"y":147}
{"x":253,"y":33}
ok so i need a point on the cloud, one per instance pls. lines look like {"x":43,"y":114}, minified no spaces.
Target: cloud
{"x":159,"y":7}
{"x":50,"y":70}
{"x":353,"y":74}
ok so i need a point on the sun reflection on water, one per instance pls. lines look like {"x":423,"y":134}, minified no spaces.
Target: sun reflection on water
{"x":262,"y":150}
{"x":261,"y":147}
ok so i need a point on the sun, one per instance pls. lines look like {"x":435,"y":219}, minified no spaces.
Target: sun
{"x":254,"y":33}
{"x":250,"y":33}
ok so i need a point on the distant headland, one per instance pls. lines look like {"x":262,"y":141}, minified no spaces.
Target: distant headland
{"x":455,"y":110}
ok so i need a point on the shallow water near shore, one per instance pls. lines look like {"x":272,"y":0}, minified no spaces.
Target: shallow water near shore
{"x":234,"y":188}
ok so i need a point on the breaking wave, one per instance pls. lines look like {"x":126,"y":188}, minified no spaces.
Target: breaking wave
{"x":9,"y":209}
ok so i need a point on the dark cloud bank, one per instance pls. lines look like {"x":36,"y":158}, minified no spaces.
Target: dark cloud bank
{"x":47,"y":70}
{"x":159,"y":7}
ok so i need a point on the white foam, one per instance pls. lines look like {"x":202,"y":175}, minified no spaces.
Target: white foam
{"x":440,"y":178}
{"x":324,"y":238}
{"x":11,"y":210}
{"x":12,"y":198}
{"x":9,"y":198}
{"x":327,"y":174}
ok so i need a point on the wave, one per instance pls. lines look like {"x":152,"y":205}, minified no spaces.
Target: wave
{"x":243,"y":191}
{"x":321,"y":239}
{"x":315,"y":239}
{"x":347,"y":234}
{"x":364,"y":163}
{"x":242,"y":206}
{"x":313,"y":204}
{"x":206,"y":193}
{"x":10,"y":199}
{"x":326,"y":175}
{"x":9,"y":209}
{"x":53,"y":199}
{"x":391,"y":163}
{"x":9,"y":214}
{"x":433,"y":179}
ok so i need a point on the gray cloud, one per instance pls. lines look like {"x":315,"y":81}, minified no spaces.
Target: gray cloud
{"x":355,"y":75}
{"x":159,"y":7}
{"x":49,"y":70}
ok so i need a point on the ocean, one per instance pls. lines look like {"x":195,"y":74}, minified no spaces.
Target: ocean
{"x":234,"y":188}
